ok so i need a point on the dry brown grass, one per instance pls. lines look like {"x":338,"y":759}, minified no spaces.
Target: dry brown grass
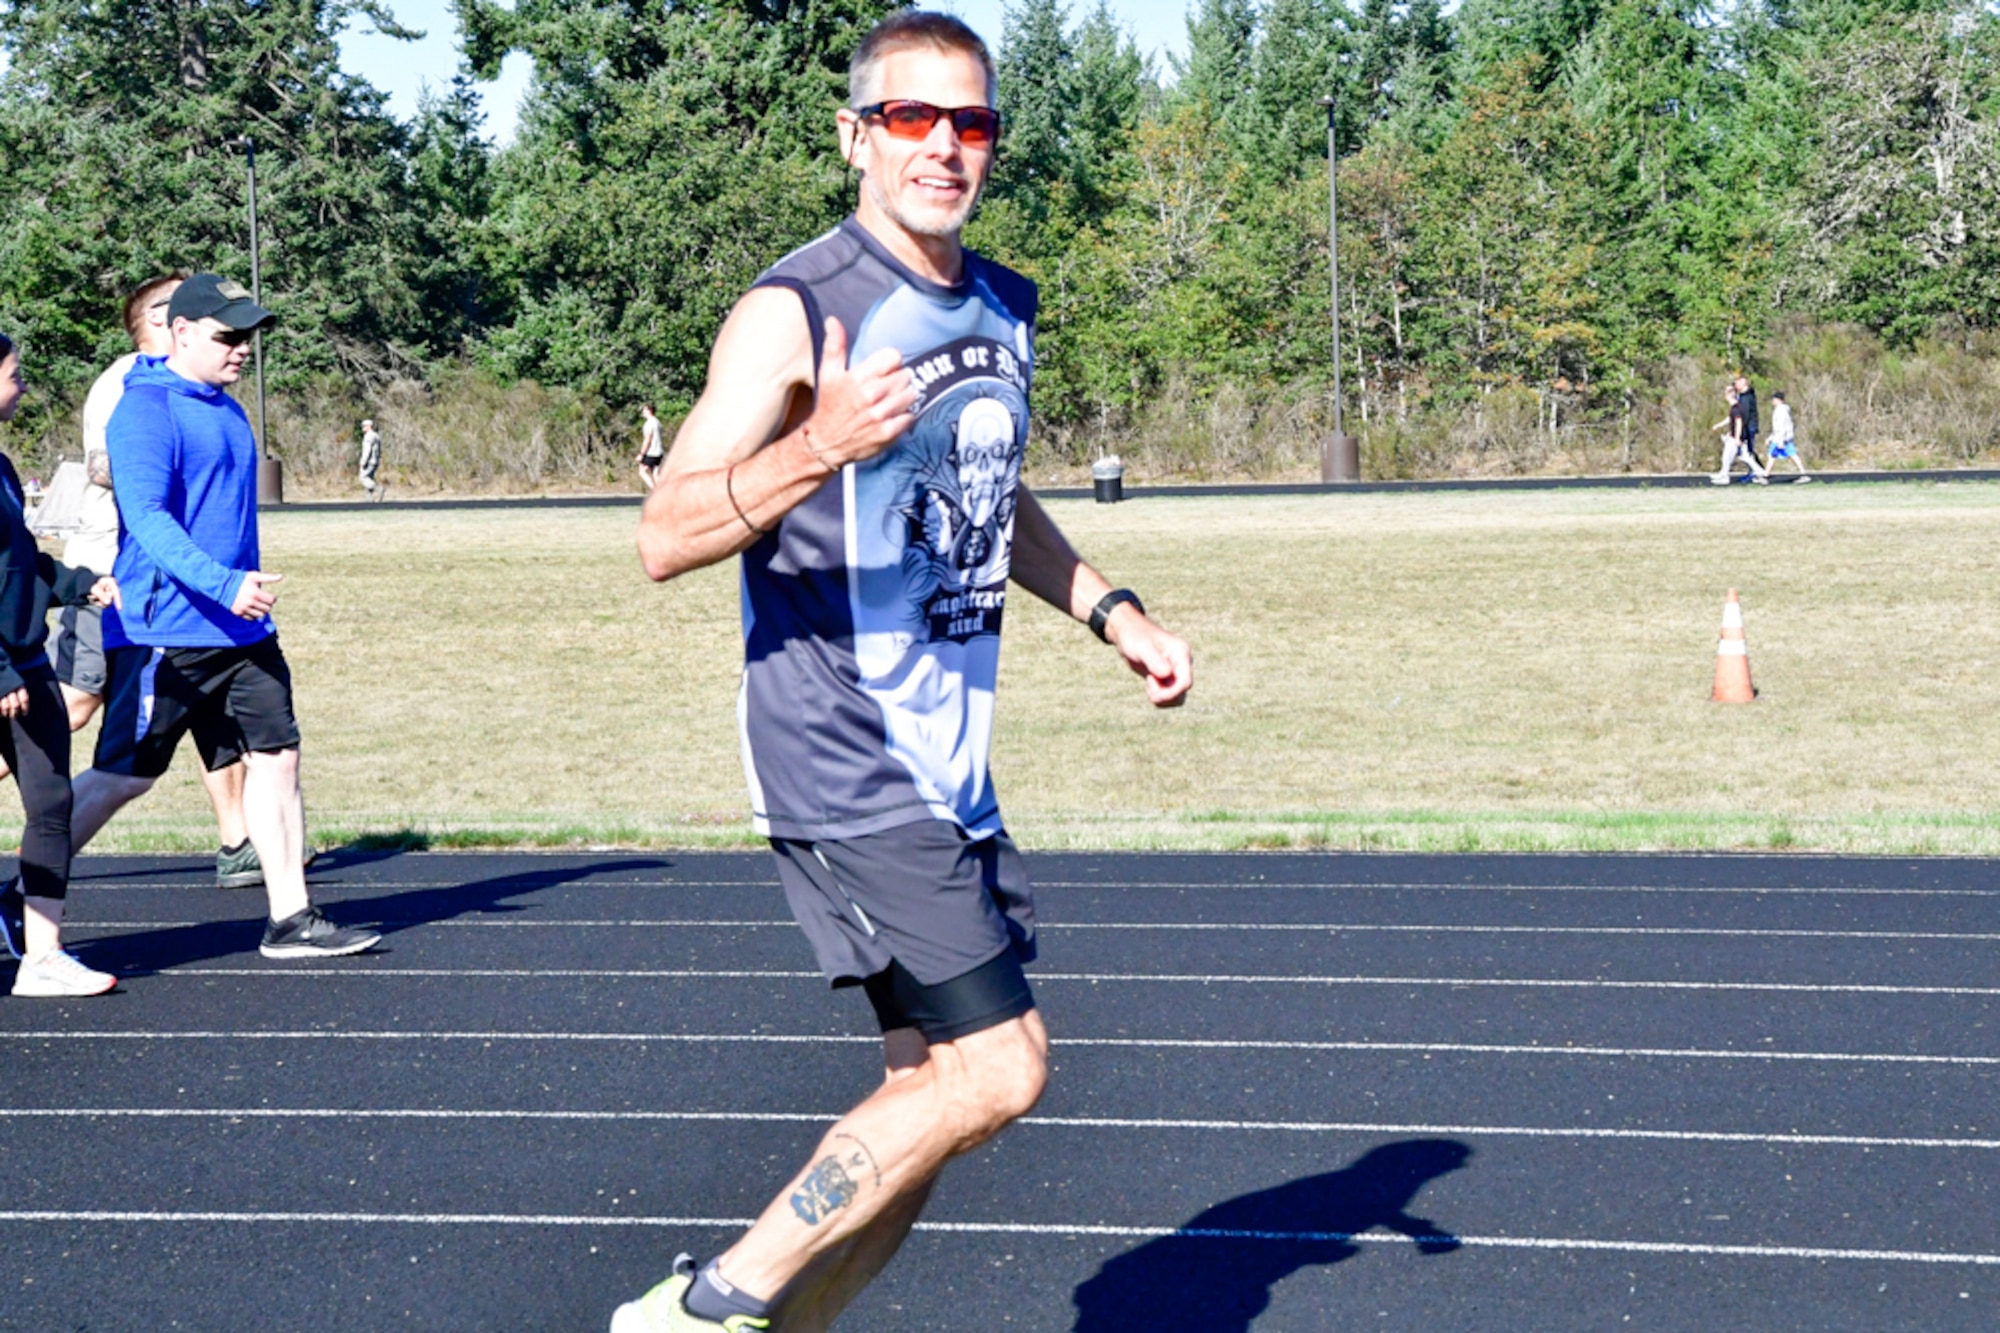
{"x":1435,"y":671}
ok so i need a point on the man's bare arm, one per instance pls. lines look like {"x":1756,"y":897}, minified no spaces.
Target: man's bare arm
{"x":760,"y":441}
{"x":1048,"y":566}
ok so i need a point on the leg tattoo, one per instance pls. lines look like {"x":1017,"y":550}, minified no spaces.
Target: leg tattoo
{"x":829,"y":1186}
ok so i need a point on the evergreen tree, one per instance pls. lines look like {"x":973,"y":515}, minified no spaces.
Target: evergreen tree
{"x":666,"y":156}
{"x":1279,"y":124}
{"x":1222,"y":38}
{"x":1037,"y":68}
{"x":119,"y":124}
{"x":1109,"y":86}
{"x":452,"y":186}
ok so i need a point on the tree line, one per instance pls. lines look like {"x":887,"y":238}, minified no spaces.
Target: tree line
{"x":1548,"y":207}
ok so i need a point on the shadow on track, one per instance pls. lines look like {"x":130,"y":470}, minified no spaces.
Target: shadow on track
{"x":144,"y":952}
{"x":1215,"y":1274}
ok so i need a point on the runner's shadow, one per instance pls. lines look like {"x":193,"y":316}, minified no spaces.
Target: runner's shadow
{"x":1215,"y":1274}
{"x":142,"y":952}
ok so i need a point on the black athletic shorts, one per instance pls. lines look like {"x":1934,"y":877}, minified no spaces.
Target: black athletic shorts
{"x":933,"y":923}
{"x":236,"y":701}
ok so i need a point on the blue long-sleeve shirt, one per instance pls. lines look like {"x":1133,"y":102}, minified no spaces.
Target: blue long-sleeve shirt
{"x":184,"y":469}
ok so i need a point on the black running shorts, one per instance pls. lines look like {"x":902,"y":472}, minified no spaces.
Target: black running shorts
{"x":236,"y":701}
{"x":935,"y":924}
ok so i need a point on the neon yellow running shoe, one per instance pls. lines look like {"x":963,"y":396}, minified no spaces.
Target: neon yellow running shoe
{"x":661,"y":1311}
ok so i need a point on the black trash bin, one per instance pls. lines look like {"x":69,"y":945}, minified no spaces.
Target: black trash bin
{"x":1107,"y":479}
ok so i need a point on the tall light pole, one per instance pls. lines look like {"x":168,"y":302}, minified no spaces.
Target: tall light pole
{"x":1339,"y":453}
{"x":270,"y":472}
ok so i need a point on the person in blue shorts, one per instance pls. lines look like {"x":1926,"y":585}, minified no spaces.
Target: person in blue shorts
{"x":1784,"y":436}
{"x":858,"y":445}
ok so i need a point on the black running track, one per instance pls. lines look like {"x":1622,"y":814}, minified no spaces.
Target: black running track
{"x":1290,"y":1092}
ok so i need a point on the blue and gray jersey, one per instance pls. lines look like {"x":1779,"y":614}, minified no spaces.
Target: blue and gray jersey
{"x":871,"y":614}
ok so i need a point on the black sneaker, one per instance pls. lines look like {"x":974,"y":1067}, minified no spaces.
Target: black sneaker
{"x":238,"y":867}
{"x":308,"y":934}
{"x":13,"y":918}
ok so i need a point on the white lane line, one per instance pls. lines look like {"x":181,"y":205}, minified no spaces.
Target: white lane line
{"x":1421,"y":886}
{"x":1313,"y":927}
{"x":1023,"y":1229}
{"x":1138,"y":1043}
{"x":1091,"y":978}
{"x":1129,"y":886}
{"x":1047,"y":1121}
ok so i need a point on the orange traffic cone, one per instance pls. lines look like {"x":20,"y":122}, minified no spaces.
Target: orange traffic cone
{"x":1732,"y":658}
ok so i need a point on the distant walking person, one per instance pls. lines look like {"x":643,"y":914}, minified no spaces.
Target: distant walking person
{"x":1784,"y":437}
{"x":80,"y":636}
{"x":198,"y":652}
{"x":371,"y":457}
{"x":1751,"y":426}
{"x":651,"y":452}
{"x":1733,"y":446}
{"x":34,"y":734}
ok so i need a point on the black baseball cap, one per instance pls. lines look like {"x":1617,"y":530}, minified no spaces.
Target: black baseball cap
{"x":212,"y":296}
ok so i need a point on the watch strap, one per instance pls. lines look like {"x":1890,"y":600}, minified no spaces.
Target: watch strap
{"x":1110,"y":602}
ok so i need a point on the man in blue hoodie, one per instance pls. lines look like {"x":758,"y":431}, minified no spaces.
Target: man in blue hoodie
{"x":194,"y":649}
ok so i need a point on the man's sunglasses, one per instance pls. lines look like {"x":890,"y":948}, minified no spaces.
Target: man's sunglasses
{"x":234,"y":337}
{"x":976,"y":126}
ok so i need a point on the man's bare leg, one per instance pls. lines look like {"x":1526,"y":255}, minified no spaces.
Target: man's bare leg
{"x":100,"y":795}
{"x":82,"y":707}
{"x":225,"y":793}
{"x":884,"y":1154}
{"x":816,"y":1297}
{"x":275,"y":813}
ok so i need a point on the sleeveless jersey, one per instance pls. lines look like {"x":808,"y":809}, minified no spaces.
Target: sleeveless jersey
{"x":871,"y":613}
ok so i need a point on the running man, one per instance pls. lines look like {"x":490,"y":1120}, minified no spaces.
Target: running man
{"x":194,"y":649}
{"x":875,"y":499}
{"x":371,"y":457}
{"x":80,"y":639}
{"x":651,"y":452}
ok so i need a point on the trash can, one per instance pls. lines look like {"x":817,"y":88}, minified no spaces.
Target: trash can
{"x":1107,"y":479}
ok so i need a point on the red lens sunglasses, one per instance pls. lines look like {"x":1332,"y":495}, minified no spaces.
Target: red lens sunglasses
{"x":904,"y":118}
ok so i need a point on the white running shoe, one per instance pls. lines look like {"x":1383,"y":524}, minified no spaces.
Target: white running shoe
{"x":59,"y":976}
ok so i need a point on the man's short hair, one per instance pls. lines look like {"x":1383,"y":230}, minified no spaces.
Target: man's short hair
{"x":142,"y":298}
{"x":901,"y":32}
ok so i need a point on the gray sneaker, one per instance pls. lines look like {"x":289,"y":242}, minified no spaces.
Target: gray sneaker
{"x":238,"y":867}
{"x":59,"y":976}
{"x":307,"y":934}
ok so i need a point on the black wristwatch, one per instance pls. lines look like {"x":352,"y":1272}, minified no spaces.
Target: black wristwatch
{"x":1112,"y":600}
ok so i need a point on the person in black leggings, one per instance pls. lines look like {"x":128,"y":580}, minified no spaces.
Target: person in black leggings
{"x":35,"y":738}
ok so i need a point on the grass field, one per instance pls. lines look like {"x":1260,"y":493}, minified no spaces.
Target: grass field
{"x":1460,"y":671}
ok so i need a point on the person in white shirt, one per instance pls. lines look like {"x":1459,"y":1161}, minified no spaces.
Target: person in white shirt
{"x":80,"y":642}
{"x":652,"y":452}
{"x":1784,"y":437}
{"x":371,"y":457}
